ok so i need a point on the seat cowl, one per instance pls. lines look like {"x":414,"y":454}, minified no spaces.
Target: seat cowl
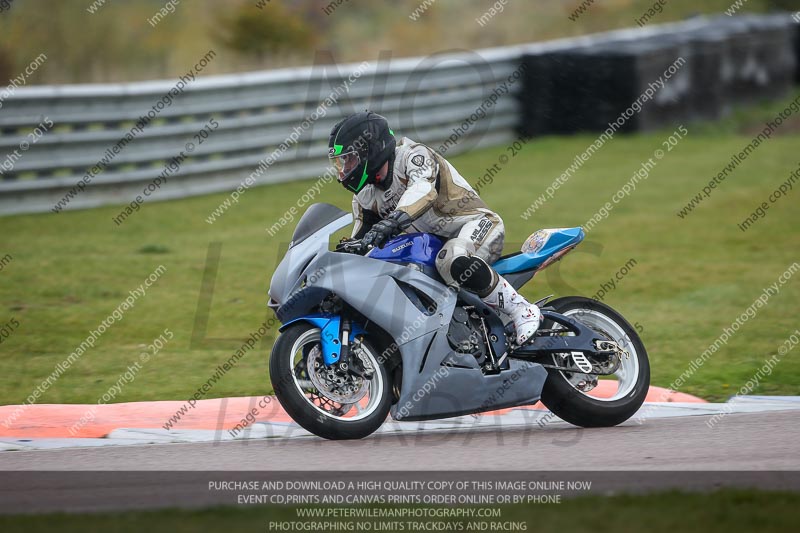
{"x":540,"y":249}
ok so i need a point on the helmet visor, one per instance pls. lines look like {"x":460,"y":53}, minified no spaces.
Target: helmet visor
{"x":345,"y":163}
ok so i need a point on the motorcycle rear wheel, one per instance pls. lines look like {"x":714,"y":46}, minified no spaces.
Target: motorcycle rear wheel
{"x":560,"y":393}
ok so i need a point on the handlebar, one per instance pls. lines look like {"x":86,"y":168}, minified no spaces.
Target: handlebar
{"x":353,"y":246}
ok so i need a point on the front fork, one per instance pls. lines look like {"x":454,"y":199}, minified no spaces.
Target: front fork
{"x":344,"y":344}
{"x":338,"y":335}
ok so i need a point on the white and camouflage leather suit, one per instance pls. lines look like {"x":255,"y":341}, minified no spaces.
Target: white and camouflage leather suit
{"x":439,"y":200}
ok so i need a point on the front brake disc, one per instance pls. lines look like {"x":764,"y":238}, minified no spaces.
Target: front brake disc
{"x":347,"y":389}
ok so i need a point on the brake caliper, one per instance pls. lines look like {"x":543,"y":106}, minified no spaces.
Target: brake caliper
{"x":366,"y":364}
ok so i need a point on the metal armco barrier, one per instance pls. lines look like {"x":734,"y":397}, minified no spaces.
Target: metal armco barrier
{"x":553,"y":87}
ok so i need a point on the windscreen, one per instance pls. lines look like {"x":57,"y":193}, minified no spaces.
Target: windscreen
{"x":316,"y":217}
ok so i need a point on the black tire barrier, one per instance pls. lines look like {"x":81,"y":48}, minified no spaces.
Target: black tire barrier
{"x":797,"y":49}
{"x":726,"y":61}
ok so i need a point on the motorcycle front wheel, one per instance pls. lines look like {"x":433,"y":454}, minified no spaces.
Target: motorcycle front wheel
{"x":325,"y":401}
{"x":568,"y":395}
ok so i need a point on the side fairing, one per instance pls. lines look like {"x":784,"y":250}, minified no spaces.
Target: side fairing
{"x":415,"y":310}
{"x":405,"y":303}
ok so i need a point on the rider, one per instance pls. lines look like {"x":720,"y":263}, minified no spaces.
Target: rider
{"x":405,"y":185}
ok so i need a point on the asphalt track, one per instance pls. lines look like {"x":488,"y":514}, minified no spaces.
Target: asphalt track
{"x":763,"y":441}
{"x":675,"y":446}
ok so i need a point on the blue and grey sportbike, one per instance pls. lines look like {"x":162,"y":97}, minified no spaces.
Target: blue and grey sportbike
{"x":369,"y":332}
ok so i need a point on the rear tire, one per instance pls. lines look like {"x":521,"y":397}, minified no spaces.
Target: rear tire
{"x":575,"y":406}
{"x":286,"y":374}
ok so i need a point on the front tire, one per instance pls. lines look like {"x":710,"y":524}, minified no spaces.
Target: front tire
{"x":295,"y":356}
{"x":571,"y":404}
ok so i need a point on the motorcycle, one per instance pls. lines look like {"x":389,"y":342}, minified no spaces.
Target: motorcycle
{"x":371,"y":332}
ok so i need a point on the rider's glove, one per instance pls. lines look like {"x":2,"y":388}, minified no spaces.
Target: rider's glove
{"x":387,"y":228}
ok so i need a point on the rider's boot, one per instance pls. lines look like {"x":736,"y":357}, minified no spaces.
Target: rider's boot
{"x":526,"y":316}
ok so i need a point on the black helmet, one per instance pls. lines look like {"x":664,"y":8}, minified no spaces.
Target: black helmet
{"x":358,"y":147}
